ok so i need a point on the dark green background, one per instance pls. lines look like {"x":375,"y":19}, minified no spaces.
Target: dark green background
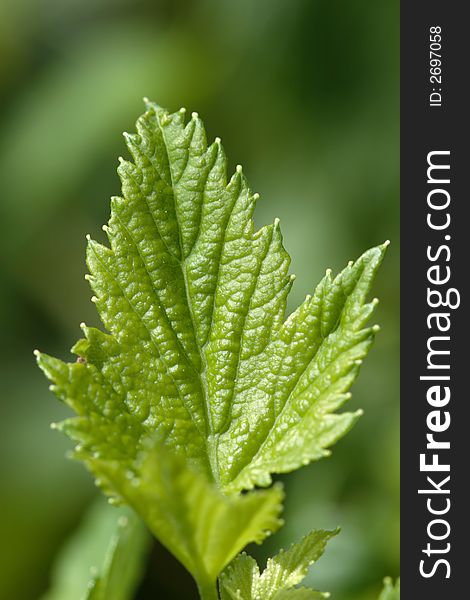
{"x":303,"y":93}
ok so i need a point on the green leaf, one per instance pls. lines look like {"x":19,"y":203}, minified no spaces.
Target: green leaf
{"x":197,"y":353}
{"x":391,"y":591}
{"x":194,"y":300}
{"x":242,"y":579}
{"x":202,"y":527}
{"x":105,"y":558}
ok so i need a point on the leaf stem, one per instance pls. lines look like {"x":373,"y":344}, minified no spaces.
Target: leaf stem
{"x":207,"y":590}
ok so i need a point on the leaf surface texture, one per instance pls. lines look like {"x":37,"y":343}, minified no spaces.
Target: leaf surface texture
{"x":242,"y":579}
{"x":200,"y":388}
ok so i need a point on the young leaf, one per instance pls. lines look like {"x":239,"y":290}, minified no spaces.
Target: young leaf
{"x":105,"y":558}
{"x":194,"y":300}
{"x":203,"y":528}
{"x":241,"y":580}
{"x":198,"y":355}
{"x":391,"y":591}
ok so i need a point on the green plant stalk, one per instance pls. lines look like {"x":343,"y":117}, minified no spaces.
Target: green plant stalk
{"x":208,"y":590}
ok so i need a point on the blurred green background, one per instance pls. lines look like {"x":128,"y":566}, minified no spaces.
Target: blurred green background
{"x":303,"y":93}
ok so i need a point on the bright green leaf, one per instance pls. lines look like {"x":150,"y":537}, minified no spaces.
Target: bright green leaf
{"x":194,"y":300}
{"x":201,"y":526}
{"x":391,"y":591}
{"x":104,"y":560}
{"x":198,"y":354}
{"x":242,"y":580}
{"x":290,"y":567}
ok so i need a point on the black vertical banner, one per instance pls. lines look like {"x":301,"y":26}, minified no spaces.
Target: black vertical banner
{"x":435,"y":331}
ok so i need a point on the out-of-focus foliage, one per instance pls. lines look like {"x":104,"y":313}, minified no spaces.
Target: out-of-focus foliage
{"x":306,"y":94}
{"x":391,"y":590}
{"x":104,"y":560}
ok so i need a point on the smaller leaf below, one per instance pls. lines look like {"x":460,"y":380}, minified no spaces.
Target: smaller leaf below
{"x":242,"y":579}
{"x":202,"y":527}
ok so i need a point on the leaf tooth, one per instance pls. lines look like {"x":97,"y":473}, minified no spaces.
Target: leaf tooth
{"x":54,"y":368}
{"x":153,"y":108}
{"x":132,"y":176}
{"x":133,"y":140}
{"x":217,"y":175}
{"x":236,"y":180}
{"x":98,"y":249}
